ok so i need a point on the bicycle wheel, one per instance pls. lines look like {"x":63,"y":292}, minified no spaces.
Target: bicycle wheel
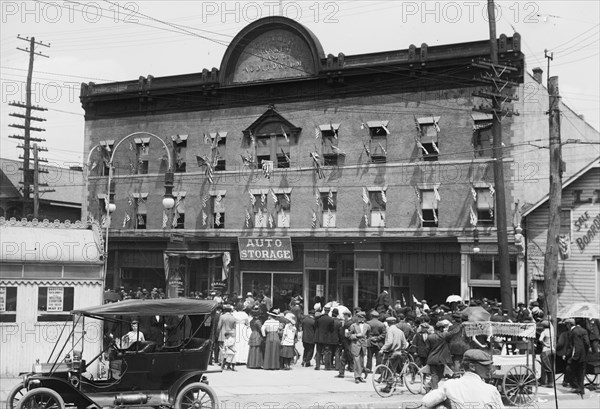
{"x":413,"y":378}
{"x":384,"y":381}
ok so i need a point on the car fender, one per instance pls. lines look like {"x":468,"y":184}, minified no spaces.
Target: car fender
{"x":68,"y":392}
{"x":189,"y":377}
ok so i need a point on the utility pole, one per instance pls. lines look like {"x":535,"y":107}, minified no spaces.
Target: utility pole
{"x":554,"y":202}
{"x":28,"y":178}
{"x":36,"y":180}
{"x":499,"y":95}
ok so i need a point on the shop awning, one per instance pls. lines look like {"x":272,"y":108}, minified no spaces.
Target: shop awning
{"x":48,"y":242}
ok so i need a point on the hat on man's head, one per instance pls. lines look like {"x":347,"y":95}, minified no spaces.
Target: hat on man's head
{"x":570,"y":321}
{"x":521,"y":304}
{"x":361,"y":314}
{"x":249,"y":294}
{"x":478,"y":356}
{"x":374,"y":314}
{"x":326,"y":308}
{"x":391,"y":320}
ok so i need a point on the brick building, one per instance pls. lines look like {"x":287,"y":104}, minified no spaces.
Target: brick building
{"x":306,"y":173}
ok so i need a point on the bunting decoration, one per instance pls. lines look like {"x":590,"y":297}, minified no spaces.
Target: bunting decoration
{"x":247,"y":218}
{"x":274,"y":197}
{"x":126,"y":220}
{"x":474,"y":194}
{"x":365,"y":196}
{"x":318,"y":199}
{"x":247,"y":159}
{"x":217,"y":219}
{"x":252,"y":199}
{"x":270,"y":221}
{"x":317,"y":132}
{"x":267,"y":168}
{"x":263,"y":199}
{"x":435,"y":147}
{"x":286,"y":156}
{"x":205,"y":162}
{"x":165,"y":219}
{"x":436,"y":194}
{"x":473,"y":217}
{"x":204,"y":217}
{"x":285,"y":135}
{"x":317,"y":165}
{"x":418,"y":193}
{"x":368,"y":152}
{"x":140,"y":220}
{"x":492,"y":190}
{"x":383,"y":196}
{"x":314,"y":220}
{"x":205,"y":200}
{"x":337,"y":150}
{"x":330,"y":198}
{"x":420,"y":146}
{"x":382,"y":148}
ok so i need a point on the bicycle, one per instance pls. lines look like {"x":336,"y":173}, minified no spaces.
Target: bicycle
{"x":386,"y":381}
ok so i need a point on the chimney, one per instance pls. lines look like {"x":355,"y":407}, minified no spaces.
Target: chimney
{"x":537,"y":74}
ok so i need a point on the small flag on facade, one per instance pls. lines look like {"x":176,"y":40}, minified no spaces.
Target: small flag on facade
{"x":329,"y":217}
{"x":415,"y":301}
{"x":204,"y":217}
{"x":383,"y":196}
{"x":366,"y":218}
{"x":205,"y":200}
{"x":368,"y":152}
{"x":252,"y":199}
{"x":473,"y":217}
{"x":418,"y":193}
{"x":217,"y":219}
{"x":382,"y":148}
{"x":474,"y":193}
{"x":387,"y":131}
{"x":436,"y":194}
{"x":126,"y":220}
{"x":287,"y":198}
{"x":333,"y":130}
{"x":267,"y":168}
{"x":317,"y":199}
{"x":94,"y":164}
{"x":314,"y":219}
{"x":263,"y":199}
{"x":418,"y":125}
{"x":330,"y":198}
{"x":270,"y":220}
{"x":420,"y":214}
{"x":165,"y":220}
{"x":218,"y":198}
{"x":420,"y":146}
{"x":435,"y":147}
{"x":337,"y":150}
{"x":435,"y":124}
{"x":317,"y":165}
{"x":491,"y":210}
{"x":286,"y":156}
{"x":435,"y":218}
{"x":247,"y":218}
{"x":365,"y":195}
{"x":259,"y":216}
{"x":285,"y":134}
{"x":175,"y":218}
{"x":246,"y":159}
{"x":404,"y":300}
{"x":317,"y":132}
{"x":492,"y":190}
{"x":274,"y":197}
{"x":283,"y":217}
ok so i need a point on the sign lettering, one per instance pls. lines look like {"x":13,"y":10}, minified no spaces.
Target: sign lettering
{"x":279,"y":248}
{"x":54,"y":301}
{"x":586,"y":239}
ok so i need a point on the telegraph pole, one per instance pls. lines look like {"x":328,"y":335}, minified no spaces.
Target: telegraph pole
{"x":36,"y":180}
{"x":554,"y":202}
{"x":498,"y":95}
{"x":28,"y":177}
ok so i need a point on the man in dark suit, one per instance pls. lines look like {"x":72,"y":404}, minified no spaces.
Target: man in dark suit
{"x":308,"y":337}
{"x":383,"y":301}
{"x":579,"y":345}
{"x":324,"y":329}
{"x":375,"y":341}
{"x":358,"y":333}
{"x":344,"y":355}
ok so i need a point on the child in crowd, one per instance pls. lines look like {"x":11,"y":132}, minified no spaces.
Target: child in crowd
{"x":228,"y":351}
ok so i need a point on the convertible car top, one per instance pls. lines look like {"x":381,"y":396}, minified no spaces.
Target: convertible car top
{"x":168,"y":306}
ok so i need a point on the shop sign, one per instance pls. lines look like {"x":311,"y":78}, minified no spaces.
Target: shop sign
{"x":276,"y":248}
{"x":2,"y":299}
{"x":176,"y":282}
{"x":320,"y":290}
{"x":55,"y":299}
{"x":594,"y":229}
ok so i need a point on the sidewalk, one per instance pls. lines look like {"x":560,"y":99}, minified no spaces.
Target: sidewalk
{"x":307,"y":388}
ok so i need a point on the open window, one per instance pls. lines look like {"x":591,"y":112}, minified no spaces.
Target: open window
{"x":140,"y":211}
{"x":283,"y":209}
{"x":260,"y":209}
{"x":329,"y":208}
{"x":378,"y":133}
{"x":427,"y":138}
{"x":482,"y":135}
{"x":378,"y":201}
{"x":218,"y":210}
{"x":179,"y":210}
{"x":179,"y":152}
{"x":429,"y":208}
{"x":485,"y":207}
{"x":142,"y":150}
{"x":107,"y":148}
{"x":219,"y":143}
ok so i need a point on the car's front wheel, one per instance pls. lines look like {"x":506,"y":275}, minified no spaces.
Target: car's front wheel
{"x":15,"y":395}
{"x":196,"y":395}
{"x":41,"y":398}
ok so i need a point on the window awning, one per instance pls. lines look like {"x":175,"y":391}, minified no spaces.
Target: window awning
{"x":56,"y":243}
{"x":179,"y":138}
{"x":428,"y":120}
{"x":377,"y":124}
{"x":327,"y":127}
{"x":145,"y":140}
{"x":481,"y":116}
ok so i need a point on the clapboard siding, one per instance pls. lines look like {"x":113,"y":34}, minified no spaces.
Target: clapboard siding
{"x":578,"y":278}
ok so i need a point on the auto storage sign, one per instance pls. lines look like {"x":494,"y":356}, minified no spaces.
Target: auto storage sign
{"x":266,"y":248}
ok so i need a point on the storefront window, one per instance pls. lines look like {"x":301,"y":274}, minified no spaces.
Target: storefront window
{"x":488,"y":268}
{"x":367,"y":289}
{"x":316,"y":285}
{"x":56,"y":301}
{"x":8,"y":304}
{"x":280,"y":287}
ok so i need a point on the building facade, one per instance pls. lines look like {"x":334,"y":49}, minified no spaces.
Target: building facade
{"x":579,"y":239}
{"x":300,"y":173}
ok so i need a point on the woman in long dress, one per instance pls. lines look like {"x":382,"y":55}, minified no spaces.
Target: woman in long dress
{"x":288,"y":342}
{"x":242,"y":335}
{"x":256,"y":343}
{"x":270,"y":330}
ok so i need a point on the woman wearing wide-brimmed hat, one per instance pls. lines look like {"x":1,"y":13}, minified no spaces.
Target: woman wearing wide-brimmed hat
{"x":256,"y":341}
{"x":270,"y":330}
{"x":288,"y":341}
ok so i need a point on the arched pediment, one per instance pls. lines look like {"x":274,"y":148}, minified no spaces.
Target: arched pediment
{"x":272,"y":123}
{"x":269,"y":49}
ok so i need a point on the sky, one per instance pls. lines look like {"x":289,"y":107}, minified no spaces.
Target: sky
{"x":106,"y":41}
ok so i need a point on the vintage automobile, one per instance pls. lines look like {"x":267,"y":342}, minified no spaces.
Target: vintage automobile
{"x":146,"y":373}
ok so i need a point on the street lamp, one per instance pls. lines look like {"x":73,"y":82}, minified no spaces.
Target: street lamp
{"x":168,"y":201}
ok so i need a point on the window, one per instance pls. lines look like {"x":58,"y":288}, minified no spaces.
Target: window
{"x":329,"y":144}
{"x":179,"y":210}
{"x":329,"y":208}
{"x":180,"y":150}
{"x":8,"y":304}
{"x":429,"y":208}
{"x":272,"y":147}
{"x":482,"y":137}
{"x":142,"y":150}
{"x":260,"y":210}
{"x":378,"y":132}
{"x":221,"y":149}
{"x":141,"y":216}
{"x":218,"y":213}
{"x":107,"y":148}
{"x":282,"y":207}
{"x":485,"y":207}
{"x":427,"y":141}
{"x":486,"y":267}
{"x":378,"y":201}
{"x":55,"y":300}
{"x":565,"y":222}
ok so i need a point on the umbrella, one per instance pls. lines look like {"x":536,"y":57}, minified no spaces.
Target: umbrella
{"x":476,"y":314}
{"x":454,"y":298}
{"x":580,"y":310}
{"x":341,"y":309}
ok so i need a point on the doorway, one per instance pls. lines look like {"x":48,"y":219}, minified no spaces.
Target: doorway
{"x":438,"y":287}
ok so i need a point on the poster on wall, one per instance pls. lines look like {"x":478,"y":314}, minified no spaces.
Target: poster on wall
{"x":55,"y":299}
{"x":320,"y":290}
{"x":2,"y":299}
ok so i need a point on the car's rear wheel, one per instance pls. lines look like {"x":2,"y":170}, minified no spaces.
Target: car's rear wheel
{"x":41,"y":398}
{"x":196,"y":395}
{"x":15,"y":395}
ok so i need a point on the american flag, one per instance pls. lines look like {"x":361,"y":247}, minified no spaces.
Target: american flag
{"x":473,"y":217}
{"x":435,"y":124}
{"x":317,"y":132}
{"x":330,"y":198}
{"x":263,"y":199}
{"x":317,"y":165}
{"x":382,"y":148}
{"x":270,"y":221}
{"x":436,"y":194}
{"x":204,"y":217}
{"x":260,"y":216}
{"x":418,"y":125}
{"x":165,"y":219}
{"x":418,"y":193}
{"x":205,"y":200}
{"x":420,"y":214}
{"x":252,"y":199}
{"x":273,"y":196}
{"x":126,"y":220}
{"x":337,"y":150}
{"x":492,"y":190}
{"x":286,"y":197}
{"x":285,"y":135}
{"x":383,"y":196}
{"x":217,"y":219}
{"x":367,"y":150}
{"x":317,"y":199}
{"x":387,"y":131}
{"x":314,"y":220}
{"x":247,"y":218}
{"x":420,"y":145}
{"x":366,"y":217}
{"x":286,"y":156}
{"x":175,"y":218}
{"x":335,"y":131}
{"x":474,"y":193}
{"x":365,"y":195}
{"x":435,"y":147}
{"x":435,"y":218}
